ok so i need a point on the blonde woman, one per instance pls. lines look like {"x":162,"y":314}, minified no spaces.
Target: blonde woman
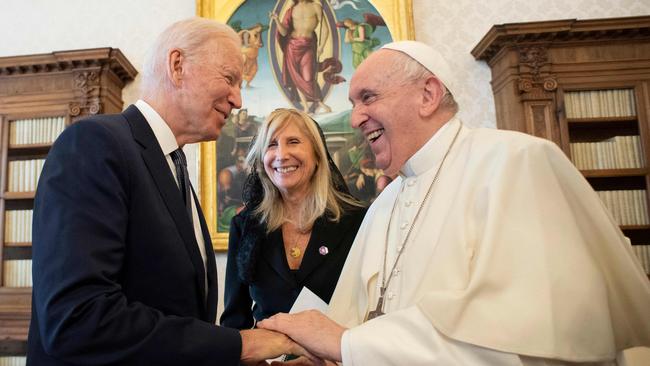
{"x":298,"y":225}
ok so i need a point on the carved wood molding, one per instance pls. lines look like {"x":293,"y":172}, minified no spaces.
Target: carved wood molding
{"x":83,"y":82}
{"x":87,"y":89}
{"x":46,"y":84}
{"x":504,"y":36}
{"x":535,"y":79}
{"x":105,"y":58}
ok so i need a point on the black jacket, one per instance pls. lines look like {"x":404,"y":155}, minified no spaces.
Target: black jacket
{"x":118,"y":277}
{"x":274,"y":287}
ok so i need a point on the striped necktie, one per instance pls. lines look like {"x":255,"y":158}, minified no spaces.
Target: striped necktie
{"x":180,"y":162}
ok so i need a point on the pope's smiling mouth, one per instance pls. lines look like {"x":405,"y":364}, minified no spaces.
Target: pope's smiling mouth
{"x":374,"y":135}
{"x":224,"y":114}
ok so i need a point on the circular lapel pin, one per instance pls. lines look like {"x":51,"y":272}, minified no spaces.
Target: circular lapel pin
{"x":323,"y":250}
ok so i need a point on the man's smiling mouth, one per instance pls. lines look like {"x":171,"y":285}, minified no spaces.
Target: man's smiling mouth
{"x":374,"y":135}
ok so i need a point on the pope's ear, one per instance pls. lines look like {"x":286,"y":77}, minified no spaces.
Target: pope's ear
{"x":175,"y":64}
{"x":432,"y":94}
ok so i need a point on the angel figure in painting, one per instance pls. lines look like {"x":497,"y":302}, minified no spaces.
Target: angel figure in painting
{"x":359,"y":35}
{"x":251,"y":42}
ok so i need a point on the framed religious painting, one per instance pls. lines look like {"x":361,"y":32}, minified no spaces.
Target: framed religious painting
{"x":278,"y":37}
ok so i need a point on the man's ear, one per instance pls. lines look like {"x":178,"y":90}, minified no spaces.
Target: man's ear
{"x":175,"y":64}
{"x":432,"y":94}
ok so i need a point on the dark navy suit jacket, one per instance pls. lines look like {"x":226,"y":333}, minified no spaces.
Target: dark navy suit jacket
{"x":118,"y":277}
{"x":275,"y":287}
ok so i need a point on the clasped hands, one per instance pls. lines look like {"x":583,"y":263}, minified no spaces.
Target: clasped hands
{"x":308,"y":334}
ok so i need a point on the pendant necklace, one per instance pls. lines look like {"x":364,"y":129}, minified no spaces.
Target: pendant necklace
{"x":295,"y":252}
{"x":379,"y":310}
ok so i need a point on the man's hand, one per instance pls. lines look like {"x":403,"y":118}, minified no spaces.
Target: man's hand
{"x":258,"y":345}
{"x":302,"y":361}
{"x":311,"y":329}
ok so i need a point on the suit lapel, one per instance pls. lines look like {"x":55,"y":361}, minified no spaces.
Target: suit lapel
{"x":323,"y":235}
{"x":274,"y":255}
{"x":162,"y":176}
{"x":211,"y":265}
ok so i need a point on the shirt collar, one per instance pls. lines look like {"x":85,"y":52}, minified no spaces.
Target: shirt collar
{"x":161,"y":130}
{"x":432,"y":151}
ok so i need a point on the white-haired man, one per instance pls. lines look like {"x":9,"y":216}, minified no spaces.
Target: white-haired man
{"x":489,"y":248}
{"x":124,"y":272}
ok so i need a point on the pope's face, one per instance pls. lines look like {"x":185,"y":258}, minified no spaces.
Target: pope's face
{"x":383,"y":109}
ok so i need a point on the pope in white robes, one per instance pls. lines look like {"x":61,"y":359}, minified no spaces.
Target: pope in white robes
{"x":492,"y":248}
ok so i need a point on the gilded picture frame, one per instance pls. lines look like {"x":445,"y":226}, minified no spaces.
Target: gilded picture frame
{"x":398,"y":18}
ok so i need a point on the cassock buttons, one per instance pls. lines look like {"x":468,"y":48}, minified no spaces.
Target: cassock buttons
{"x":407,"y":203}
{"x":391,"y":295}
{"x":411,"y":183}
{"x":404,"y":225}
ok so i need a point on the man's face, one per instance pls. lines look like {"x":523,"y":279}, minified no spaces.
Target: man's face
{"x":210,"y":89}
{"x":384,"y":111}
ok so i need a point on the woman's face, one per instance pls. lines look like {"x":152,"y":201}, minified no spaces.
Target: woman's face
{"x":289,"y":160}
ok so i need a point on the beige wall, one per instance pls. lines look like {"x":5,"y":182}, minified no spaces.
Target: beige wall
{"x":455,"y":27}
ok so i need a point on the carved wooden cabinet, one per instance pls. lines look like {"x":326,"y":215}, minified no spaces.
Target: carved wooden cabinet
{"x":39,"y":96}
{"x":584,"y":84}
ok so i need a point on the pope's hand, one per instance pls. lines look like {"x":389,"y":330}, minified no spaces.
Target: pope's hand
{"x":303,"y":361}
{"x":260,"y":344}
{"x":314,"y":331}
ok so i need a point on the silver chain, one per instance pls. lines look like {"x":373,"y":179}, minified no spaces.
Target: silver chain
{"x":386,"y":282}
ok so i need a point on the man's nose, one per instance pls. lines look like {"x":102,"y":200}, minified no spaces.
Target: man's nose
{"x":235,"y":97}
{"x":357,"y":117}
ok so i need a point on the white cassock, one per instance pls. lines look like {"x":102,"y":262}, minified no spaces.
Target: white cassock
{"x":514,"y":260}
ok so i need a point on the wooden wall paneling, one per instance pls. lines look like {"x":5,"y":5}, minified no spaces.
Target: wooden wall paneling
{"x":69,"y":84}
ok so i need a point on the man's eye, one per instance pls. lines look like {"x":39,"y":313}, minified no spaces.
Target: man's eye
{"x":367,"y":98}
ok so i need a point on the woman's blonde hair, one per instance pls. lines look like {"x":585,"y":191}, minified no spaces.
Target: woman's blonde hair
{"x":322,"y":197}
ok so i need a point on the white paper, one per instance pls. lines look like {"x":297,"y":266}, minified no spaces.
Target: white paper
{"x":307,"y":300}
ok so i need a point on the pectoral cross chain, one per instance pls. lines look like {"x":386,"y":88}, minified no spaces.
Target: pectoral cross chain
{"x":386,"y":281}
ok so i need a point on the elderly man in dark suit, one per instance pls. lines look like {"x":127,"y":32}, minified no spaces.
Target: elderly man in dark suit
{"x":124,"y":272}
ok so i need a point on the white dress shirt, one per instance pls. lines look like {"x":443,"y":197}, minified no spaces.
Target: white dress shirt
{"x":168,"y":144}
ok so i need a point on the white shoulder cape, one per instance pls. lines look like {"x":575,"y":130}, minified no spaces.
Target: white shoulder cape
{"x":514,"y":252}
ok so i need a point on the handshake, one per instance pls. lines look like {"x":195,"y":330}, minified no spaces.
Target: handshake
{"x":308,"y":334}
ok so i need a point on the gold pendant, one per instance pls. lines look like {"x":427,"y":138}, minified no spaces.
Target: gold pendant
{"x":295,"y":252}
